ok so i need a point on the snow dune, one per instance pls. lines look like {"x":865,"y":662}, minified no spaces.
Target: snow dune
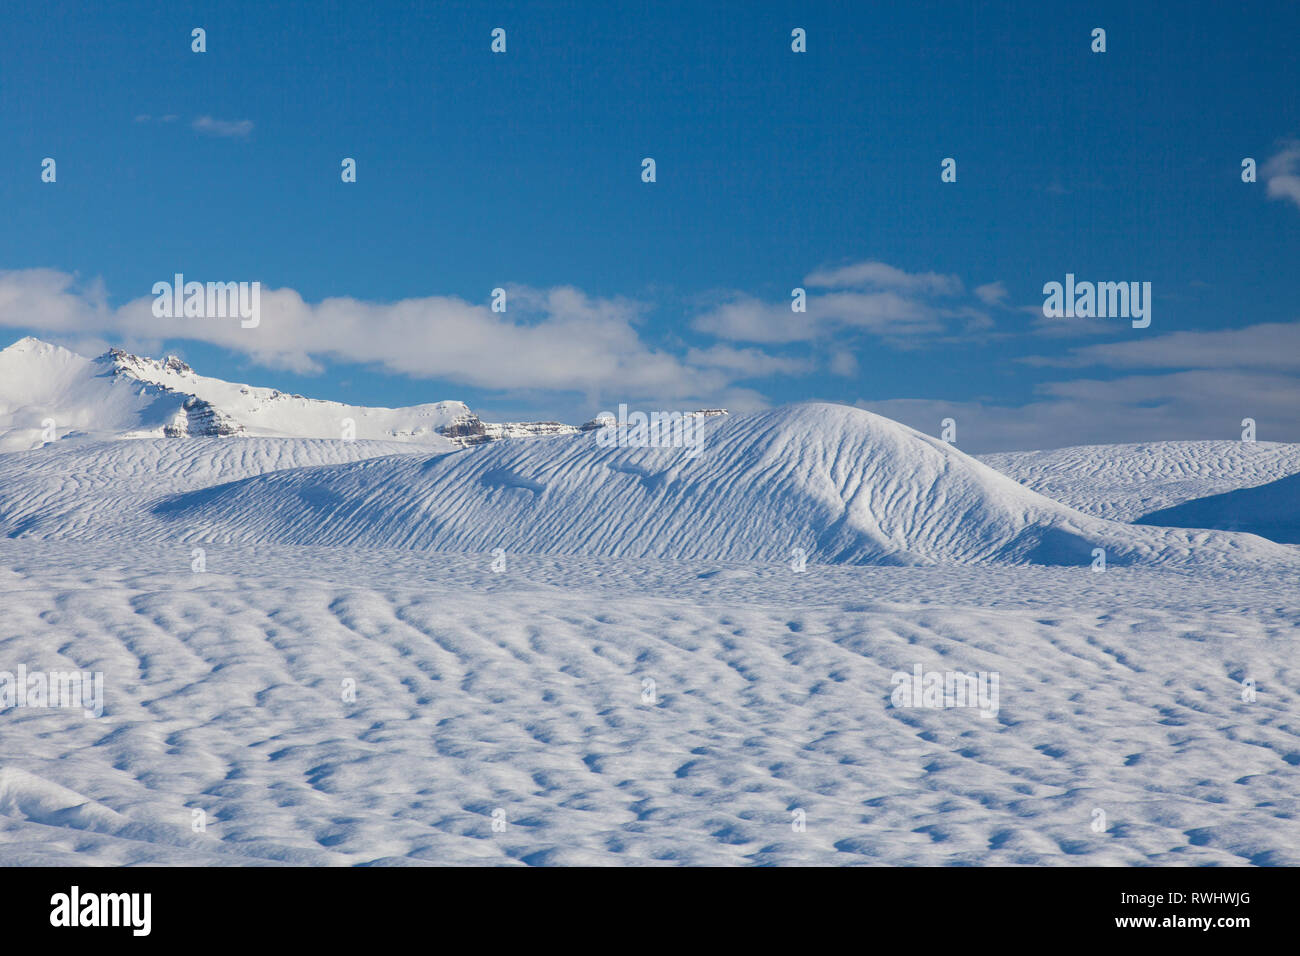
{"x":1123,"y":482}
{"x":844,"y":485}
{"x":103,"y":488}
{"x":1271,"y":511}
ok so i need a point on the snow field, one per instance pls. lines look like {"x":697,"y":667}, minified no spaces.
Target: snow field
{"x":523,"y":691}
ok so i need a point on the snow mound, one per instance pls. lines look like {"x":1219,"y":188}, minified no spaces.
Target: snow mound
{"x":1124,"y":481}
{"x":92,"y":489}
{"x":1271,"y":511}
{"x":842,"y":484}
{"x":28,"y":797}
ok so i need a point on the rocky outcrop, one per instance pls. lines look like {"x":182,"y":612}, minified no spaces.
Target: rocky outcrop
{"x":469,"y":429}
{"x":200,"y":419}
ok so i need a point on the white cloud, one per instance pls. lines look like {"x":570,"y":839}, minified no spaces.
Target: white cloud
{"x":1282,"y":173}
{"x":748,"y":363}
{"x":52,"y":300}
{"x":869,"y":297}
{"x":1194,"y":405}
{"x":237,"y":129}
{"x":1272,"y":345}
{"x":1202,"y":385}
{"x":746,"y":319}
{"x":1053,"y":327}
{"x":844,"y":364}
{"x":879,"y":275}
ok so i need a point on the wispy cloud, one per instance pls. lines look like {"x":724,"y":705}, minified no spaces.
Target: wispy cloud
{"x":1282,"y":173}
{"x":749,"y":363}
{"x":747,"y":319}
{"x":1200,"y":385}
{"x":1048,"y":327}
{"x":868,"y":297}
{"x":231,"y":129}
{"x":880,"y":275}
{"x":1270,"y":345}
{"x":1190,"y":405}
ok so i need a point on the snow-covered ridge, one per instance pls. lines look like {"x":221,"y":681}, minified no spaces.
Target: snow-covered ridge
{"x":102,"y":489}
{"x":842,"y":485}
{"x":469,"y":429}
{"x":121,"y":395}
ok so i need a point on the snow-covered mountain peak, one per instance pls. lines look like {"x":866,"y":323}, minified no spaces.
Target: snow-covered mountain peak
{"x":122,"y":395}
{"x":29,"y":345}
{"x":146,"y":369}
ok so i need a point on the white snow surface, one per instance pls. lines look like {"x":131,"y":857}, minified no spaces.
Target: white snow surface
{"x":102,"y":489}
{"x":523,"y":692}
{"x":611,"y":650}
{"x":1125,"y":482}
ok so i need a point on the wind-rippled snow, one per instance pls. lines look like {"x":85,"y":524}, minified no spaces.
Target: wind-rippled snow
{"x":522,"y":691}
{"x":510,"y":684}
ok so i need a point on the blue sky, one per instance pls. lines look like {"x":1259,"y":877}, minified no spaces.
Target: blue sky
{"x":774,"y":170}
